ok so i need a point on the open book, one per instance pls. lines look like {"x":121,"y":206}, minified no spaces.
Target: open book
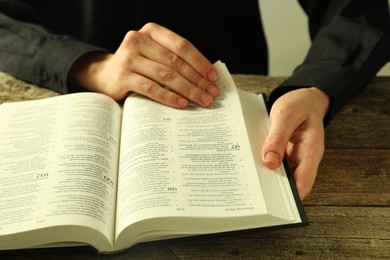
{"x":80,"y":169}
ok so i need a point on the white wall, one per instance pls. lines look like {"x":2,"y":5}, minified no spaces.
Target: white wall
{"x":287,"y":35}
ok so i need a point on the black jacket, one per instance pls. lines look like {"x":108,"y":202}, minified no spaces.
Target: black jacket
{"x":41,"y":39}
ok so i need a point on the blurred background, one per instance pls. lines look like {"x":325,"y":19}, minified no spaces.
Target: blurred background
{"x":287,"y":35}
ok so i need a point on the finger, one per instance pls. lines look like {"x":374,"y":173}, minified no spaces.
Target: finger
{"x":304,"y":177}
{"x":306,"y":172}
{"x":153,"y":90}
{"x":164,"y":56}
{"x":165,"y":76}
{"x":304,"y":154}
{"x":183,"y":48}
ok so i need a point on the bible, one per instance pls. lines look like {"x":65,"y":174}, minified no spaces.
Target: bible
{"x":80,"y":169}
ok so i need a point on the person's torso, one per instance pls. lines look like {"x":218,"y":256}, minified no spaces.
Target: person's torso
{"x":229,"y":31}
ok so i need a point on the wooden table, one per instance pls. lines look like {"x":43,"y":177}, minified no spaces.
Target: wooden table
{"x":348,"y":210}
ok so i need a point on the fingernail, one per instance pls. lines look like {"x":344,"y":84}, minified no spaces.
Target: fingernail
{"x":212,"y":90}
{"x":182,"y":102}
{"x":206,"y":99}
{"x":212,"y":75}
{"x":272,"y":158}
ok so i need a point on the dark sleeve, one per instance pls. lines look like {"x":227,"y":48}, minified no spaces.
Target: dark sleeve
{"x":29,"y":52}
{"x":350,"y":44}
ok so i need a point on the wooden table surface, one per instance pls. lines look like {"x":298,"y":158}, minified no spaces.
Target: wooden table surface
{"x":348,"y":209}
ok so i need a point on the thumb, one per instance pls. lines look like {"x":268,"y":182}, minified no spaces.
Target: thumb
{"x":276,"y":142}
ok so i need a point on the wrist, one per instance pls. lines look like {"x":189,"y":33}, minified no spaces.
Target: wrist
{"x":86,"y":70}
{"x":322,"y":99}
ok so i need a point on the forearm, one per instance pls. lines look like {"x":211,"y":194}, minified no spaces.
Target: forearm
{"x":29,"y":52}
{"x":347,"y":51}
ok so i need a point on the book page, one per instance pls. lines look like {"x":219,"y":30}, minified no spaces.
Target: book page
{"x":275,"y":184}
{"x":58,"y":163}
{"x":195,"y":162}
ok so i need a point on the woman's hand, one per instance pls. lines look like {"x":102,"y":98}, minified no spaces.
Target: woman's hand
{"x":297,"y":130}
{"x":154,"y":62}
